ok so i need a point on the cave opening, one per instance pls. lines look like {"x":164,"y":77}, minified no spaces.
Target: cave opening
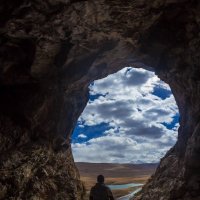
{"x":51,"y":50}
{"x":131,"y":118}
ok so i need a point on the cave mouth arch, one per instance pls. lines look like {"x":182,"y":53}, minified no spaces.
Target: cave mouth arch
{"x":132,"y":111}
{"x":42,"y":88}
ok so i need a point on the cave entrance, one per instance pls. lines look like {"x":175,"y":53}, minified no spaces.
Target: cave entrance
{"x":131,"y":117}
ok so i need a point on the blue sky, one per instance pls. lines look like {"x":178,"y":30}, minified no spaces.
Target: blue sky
{"x":131,"y":117}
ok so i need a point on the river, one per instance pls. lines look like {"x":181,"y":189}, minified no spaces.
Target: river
{"x":124,"y":186}
{"x":128,"y":196}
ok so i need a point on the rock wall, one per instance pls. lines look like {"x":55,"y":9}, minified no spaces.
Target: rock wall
{"x":50,"y":50}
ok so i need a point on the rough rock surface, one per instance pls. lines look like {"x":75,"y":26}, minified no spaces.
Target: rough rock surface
{"x":50,"y":50}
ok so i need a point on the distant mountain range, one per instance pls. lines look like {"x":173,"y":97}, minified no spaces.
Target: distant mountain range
{"x":115,"y":170}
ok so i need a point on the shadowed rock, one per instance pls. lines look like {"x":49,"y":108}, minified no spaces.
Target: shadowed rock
{"x":50,"y":51}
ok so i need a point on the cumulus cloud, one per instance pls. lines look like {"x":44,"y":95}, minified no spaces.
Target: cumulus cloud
{"x":82,"y":135}
{"x":136,"y":78}
{"x":118,"y":149}
{"x":136,"y":115}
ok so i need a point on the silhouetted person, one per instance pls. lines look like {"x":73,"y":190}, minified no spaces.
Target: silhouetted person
{"x":100,"y":191}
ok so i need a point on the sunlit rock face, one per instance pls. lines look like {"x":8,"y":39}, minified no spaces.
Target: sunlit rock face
{"x":51,"y":50}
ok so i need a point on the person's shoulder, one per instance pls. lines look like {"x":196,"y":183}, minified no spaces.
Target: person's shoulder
{"x":106,"y":187}
{"x":92,"y":190}
{"x":93,"y":187}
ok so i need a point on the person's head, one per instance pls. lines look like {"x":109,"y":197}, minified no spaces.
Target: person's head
{"x":100,"y":179}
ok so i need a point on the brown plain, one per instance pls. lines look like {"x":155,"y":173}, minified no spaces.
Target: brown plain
{"x":115,"y":174}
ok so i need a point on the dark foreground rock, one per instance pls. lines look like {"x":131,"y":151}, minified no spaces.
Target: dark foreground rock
{"x":50,"y":51}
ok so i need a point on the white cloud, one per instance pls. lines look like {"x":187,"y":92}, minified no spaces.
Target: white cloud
{"x":82,"y":135}
{"x":135,"y":114}
{"x":119,"y":149}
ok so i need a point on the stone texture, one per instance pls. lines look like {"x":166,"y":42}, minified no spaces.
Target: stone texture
{"x":50,"y":50}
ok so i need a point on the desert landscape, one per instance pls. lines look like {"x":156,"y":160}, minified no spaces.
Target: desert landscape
{"x":115,"y":174}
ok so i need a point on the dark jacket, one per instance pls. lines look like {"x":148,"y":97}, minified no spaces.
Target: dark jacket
{"x":101,"y":192}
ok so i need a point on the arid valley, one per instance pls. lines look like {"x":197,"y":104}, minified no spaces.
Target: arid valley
{"x":115,"y":174}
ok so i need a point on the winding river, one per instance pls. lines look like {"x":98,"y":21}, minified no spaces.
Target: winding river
{"x":125,"y":186}
{"x":127,"y":197}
